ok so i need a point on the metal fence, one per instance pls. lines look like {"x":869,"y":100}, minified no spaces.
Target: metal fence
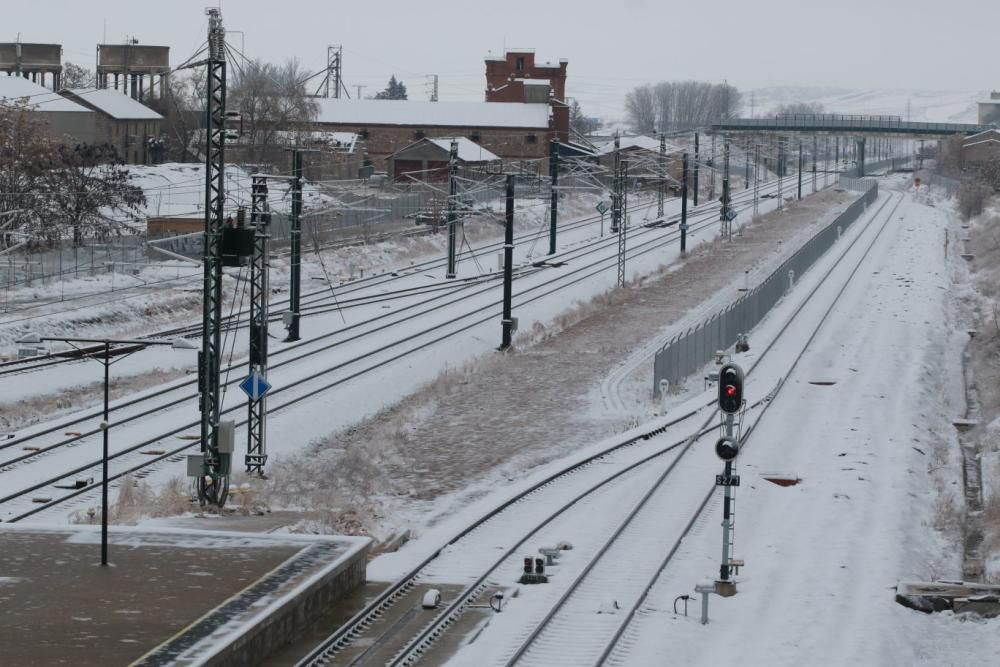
{"x":691,"y":350}
{"x":362,"y":209}
{"x":28,"y":267}
{"x":890,"y":164}
{"x":950,"y":186}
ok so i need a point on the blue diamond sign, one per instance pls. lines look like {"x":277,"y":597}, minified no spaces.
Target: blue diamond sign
{"x":255,"y":386}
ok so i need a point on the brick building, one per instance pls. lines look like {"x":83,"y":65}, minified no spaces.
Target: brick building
{"x":980,"y":148}
{"x":427,"y":159}
{"x":513,"y":131}
{"x":130,"y":126}
{"x":516,"y":77}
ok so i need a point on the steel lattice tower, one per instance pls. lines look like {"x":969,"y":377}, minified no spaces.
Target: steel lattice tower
{"x":213,"y":485}
{"x":260,"y":218}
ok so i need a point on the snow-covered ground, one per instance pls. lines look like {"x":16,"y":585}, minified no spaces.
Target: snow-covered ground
{"x":935,"y":106}
{"x":876,"y":453}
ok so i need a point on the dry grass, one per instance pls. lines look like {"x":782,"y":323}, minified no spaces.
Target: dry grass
{"x":138,"y":500}
{"x":30,"y":411}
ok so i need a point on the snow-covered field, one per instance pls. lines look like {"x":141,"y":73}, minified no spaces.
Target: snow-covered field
{"x":935,"y":106}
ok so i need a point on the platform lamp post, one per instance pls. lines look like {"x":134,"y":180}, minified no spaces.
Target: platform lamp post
{"x":105,"y":360}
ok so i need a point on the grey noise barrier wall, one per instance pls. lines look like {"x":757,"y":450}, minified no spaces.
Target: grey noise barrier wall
{"x":691,"y":350}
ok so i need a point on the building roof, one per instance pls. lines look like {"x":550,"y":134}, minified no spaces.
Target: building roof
{"x":468,"y":150}
{"x":981,"y":136}
{"x":432,"y":114}
{"x":640,"y":142}
{"x":115,"y":104}
{"x":38,"y":97}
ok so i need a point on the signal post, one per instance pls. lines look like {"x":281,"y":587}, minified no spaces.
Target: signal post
{"x":727,"y":448}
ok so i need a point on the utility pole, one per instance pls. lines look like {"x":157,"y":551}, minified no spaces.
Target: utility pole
{"x":213,"y":484}
{"x":554,"y":206}
{"x":746,"y":172}
{"x":452,"y":209}
{"x":623,"y":225}
{"x":260,"y":218}
{"x":696,"y":160}
{"x":800,"y":171}
{"x":616,"y":195}
{"x":781,"y":173}
{"x":434,"y":88}
{"x":815,"y":155}
{"x":507,"y":323}
{"x":836,"y":153}
{"x":684,"y":203}
{"x":713,"y":171}
{"x":826,"y":160}
{"x":756,"y":180}
{"x":663,"y":176}
{"x":295,"y":283}
{"x":727,"y":222}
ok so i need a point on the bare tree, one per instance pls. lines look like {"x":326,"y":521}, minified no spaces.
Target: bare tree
{"x":800,"y":108}
{"x":26,"y":152}
{"x":183,"y":111}
{"x":76,"y":76}
{"x":49,"y":189}
{"x":680,"y":105}
{"x":640,"y":109}
{"x":580,"y":123}
{"x":87,"y":190}
{"x":272,"y":101}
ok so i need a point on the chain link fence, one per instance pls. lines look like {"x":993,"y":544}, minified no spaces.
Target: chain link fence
{"x":28,"y":267}
{"x":950,"y":186}
{"x":691,"y":350}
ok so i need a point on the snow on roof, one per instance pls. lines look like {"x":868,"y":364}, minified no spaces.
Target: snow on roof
{"x":641,"y":141}
{"x":980,"y":134}
{"x":433,"y":114}
{"x":468,"y":150}
{"x":38,"y":97}
{"x":980,"y":143}
{"x":115,"y":104}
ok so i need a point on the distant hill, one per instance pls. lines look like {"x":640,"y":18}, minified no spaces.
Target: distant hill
{"x":935,"y":106}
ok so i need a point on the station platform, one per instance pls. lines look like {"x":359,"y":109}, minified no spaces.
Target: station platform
{"x":168,"y":596}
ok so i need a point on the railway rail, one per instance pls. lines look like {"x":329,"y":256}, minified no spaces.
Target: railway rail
{"x":546,"y":643}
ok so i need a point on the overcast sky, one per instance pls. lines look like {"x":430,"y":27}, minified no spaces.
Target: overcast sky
{"x":611,"y":45}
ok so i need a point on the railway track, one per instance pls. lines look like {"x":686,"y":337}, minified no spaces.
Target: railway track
{"x":144,"y":451}
{"x":644,"y":535}
{"x":327,"y":299}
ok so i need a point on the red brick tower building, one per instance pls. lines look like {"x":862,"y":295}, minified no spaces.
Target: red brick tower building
{"x":516,"y":77}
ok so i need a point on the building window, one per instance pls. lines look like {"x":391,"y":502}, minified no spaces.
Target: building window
{"x":520,"y":64}
{"x":475,"y":136}
{"x":363,"y":133}
{"x":419,"y":134}
{"x":532,"y":139}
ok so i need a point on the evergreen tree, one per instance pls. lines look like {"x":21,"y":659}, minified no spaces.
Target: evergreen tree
{"x":396,"y":90}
